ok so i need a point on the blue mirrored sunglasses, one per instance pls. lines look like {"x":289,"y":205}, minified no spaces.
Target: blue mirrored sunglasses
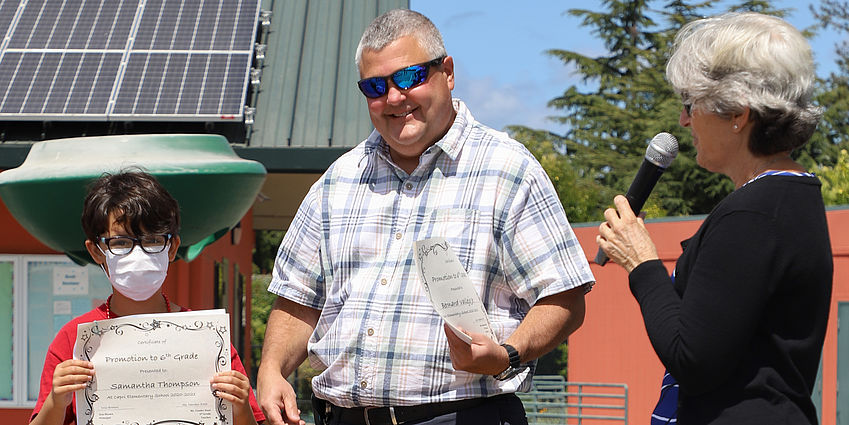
{"x":406,"y":78}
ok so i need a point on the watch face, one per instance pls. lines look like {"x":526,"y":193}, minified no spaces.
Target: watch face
{"x":509,"y":373}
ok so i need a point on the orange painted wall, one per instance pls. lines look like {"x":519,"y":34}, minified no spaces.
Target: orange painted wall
{"x":612,"y":345}
{"x":14,"y":239}
{"x":188,"y":284}
{"x":838,"y":223}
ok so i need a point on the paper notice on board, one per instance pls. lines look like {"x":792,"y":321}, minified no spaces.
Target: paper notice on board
{"x":450,"y":290}
{"x":70,"y":281}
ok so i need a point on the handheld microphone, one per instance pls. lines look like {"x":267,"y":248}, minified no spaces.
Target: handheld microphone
{"x":662,"y":149}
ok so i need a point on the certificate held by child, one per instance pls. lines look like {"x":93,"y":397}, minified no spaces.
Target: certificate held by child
{"x":155,"y":367}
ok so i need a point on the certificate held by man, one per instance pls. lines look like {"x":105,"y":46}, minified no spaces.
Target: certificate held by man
{"x":155,"y":368}
{"x":450,"y":290}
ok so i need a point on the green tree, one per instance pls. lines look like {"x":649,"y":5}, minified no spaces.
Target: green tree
{"x":266,"y":243}
{"x":583,"y":198}
{"x":554,"y":362}
{"x":835,"y":180}
{"x":261,"y":302}
{"x":629,"y":101}
{"x":832,"y":134}
{"x":264,"y":252}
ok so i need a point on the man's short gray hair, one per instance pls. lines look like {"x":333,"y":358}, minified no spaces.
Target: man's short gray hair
{"x":728,"y":62}
{"x":398,"y":23}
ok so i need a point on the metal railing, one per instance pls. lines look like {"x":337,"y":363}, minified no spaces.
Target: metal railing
{"x":553,"y":400}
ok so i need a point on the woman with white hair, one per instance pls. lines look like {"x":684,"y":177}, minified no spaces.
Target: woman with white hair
{"x":740,"y":323}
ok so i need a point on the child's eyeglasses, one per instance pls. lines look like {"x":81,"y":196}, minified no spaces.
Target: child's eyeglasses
{"x":406,"y":78}
{"x":122,"y":245}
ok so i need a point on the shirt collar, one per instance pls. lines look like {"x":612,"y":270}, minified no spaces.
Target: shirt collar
{"x":452,"y":142}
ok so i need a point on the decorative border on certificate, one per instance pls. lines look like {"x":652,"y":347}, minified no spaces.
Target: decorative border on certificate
{"x":152,"y":367}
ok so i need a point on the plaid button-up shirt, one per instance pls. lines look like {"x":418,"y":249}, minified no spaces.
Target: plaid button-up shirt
{"x":349,"y":253}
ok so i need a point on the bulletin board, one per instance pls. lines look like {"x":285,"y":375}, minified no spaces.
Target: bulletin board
{"x":57,"y":291}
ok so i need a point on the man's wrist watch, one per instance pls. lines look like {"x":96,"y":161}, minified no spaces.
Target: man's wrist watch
{"x":514,"y":367}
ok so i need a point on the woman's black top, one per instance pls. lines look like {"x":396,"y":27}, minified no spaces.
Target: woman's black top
{"x":742,"y":327}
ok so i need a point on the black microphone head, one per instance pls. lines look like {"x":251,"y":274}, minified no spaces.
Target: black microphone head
{"x":662,"y":149}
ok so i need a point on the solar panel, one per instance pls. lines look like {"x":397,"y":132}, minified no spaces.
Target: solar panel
{"x":127,"y":60}
{"x":7,"y":12}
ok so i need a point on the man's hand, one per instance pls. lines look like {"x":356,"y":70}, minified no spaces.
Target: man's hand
{"x":277,"y":399}
{"x":547,"y":324}
{"x":483,"y":356}
{"x":285,"y":347}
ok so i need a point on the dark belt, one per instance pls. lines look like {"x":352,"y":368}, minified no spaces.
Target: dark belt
{"x":399,"y":414}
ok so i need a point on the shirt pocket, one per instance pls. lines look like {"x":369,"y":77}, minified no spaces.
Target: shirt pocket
{"x":459,"y":226}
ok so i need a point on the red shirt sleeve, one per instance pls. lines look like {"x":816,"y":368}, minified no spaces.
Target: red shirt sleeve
{"x":236,"y":364}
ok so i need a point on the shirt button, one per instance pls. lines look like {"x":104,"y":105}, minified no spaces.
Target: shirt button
{"x":409,"y":186}
{"x":383,"y":281}
{"x":398,"y":235}
{"x":371,"y":332}
{"x":363,"y":384}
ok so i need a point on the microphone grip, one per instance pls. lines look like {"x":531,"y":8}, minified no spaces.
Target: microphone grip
{"x":647,"y":176}
{"x":600,"y":257}
{"x":641,"y":187}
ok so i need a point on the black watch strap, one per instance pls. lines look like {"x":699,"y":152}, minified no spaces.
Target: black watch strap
{"x":513,"y":355}
{"x":514,"y":368}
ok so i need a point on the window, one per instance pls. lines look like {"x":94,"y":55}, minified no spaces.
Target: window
{"x":222,"y":282}
{"x":38,"y":295}
{"x":237,"y":328}
{"x":6,"y":325}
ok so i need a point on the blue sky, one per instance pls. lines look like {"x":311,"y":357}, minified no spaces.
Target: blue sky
{"x":502,"y":71}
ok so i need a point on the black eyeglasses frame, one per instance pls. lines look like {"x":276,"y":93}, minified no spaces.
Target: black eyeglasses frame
{"x":136,"y":242}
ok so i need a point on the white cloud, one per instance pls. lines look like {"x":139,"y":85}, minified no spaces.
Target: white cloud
{"x":498,"y":103}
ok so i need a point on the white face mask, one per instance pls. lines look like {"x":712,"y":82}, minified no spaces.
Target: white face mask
{"x":137,"y":275}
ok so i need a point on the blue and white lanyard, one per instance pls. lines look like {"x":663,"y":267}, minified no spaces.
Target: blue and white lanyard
{"x":780,"y":173}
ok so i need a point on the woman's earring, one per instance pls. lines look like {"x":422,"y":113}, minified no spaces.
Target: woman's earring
{"x":735,"y":126}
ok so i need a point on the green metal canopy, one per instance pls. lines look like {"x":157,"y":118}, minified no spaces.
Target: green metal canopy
{"x":213,"y":185}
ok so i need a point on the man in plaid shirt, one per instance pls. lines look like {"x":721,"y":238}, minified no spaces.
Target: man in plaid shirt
{"x":349,"y":296}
